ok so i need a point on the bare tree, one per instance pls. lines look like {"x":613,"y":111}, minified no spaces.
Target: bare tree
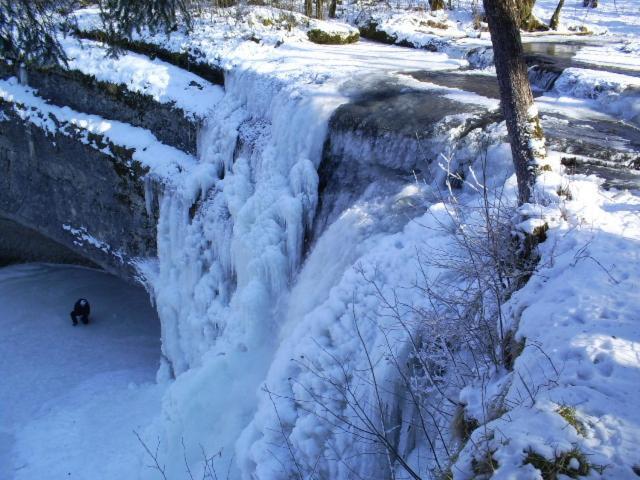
{"x":332,"y":8}
{"x":523,"y":124}
{"x":555,"y":18}
{"x":436,"y":4}
{"x":320,"y":9}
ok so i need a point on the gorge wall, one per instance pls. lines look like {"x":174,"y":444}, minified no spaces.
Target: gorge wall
{"x":79,"y":191}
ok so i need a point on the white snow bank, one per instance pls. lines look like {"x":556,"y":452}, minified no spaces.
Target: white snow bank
{"x":614,"y":93}
{"x":625,"y":56}
{"x":163,"y":81}
{"x":578,"y":318}
{"x":419,"y":28}
{"x":619,"y":17}
{"x":342,"y":30}
{"x":584,"y":83}
{"x":223,"y":41}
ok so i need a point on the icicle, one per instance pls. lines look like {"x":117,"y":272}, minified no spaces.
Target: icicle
{"x":148,"y":195}
{"x":23,"y":77}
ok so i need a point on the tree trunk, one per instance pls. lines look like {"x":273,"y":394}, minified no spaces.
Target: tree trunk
{"x":526,"y":19}
{"x":555,"y":18}
{"x":308,"y":7}
{"x":436,"y":4}
{"x":319,"y":9}
{"x":333,"y":4}
{"x":525,"y":9}
{"x":525,"y":133}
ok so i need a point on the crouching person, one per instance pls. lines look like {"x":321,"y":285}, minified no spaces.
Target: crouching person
{"x":81,"y":310}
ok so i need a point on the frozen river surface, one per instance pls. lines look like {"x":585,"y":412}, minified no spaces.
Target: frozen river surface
{"x":71,"y":397}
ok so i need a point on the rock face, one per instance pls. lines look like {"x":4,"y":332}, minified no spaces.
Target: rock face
{"x":332,"y":34}
{"x":84,"y":93}
{"x":88,"y":202}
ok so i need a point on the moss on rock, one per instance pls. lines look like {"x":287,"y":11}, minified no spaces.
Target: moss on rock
{"x":317,"y":35}
{"x":370,"y":31}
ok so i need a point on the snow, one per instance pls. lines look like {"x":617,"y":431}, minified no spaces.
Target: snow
{"x":222,"y":273}
{"x":624,"y":56}
{"x":164,"y":82}
{"x":422,"y":29}
{"x":239,"y":235}
{"x":222,"y":41}
{"x":82,"y":237}
{"x":322,"y":329}
{"x":615,"y":93}
{"x":578,"y":317}
{"x":71,"y":396}
{"x":619,"y":17}
{"x":333,"y":28}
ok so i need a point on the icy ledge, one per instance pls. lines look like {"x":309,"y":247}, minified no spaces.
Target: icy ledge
{"x":99,"y":133}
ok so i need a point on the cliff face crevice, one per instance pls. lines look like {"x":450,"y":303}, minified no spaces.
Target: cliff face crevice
{"x":20,"y":244}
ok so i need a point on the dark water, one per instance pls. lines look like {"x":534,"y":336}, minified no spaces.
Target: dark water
{"x":557,"y":56}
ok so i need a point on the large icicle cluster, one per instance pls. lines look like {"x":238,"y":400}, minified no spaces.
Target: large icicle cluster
{"x":231,"y":229}
{"x":230,"y":239}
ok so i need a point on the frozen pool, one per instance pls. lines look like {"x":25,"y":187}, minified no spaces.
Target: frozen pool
{"x":70,"y":397}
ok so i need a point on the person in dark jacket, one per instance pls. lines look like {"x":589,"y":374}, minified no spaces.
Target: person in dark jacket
{"x":81,"y":310}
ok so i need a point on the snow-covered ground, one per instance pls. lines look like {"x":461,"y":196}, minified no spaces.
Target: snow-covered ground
{"x":164,"y":82}
{"x":619,"y":18}
{"x":70,"y":397}
{"x":574,"y":388}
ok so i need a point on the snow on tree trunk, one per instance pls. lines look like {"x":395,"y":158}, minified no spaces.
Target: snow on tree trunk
{"x":525,"y":132}
{"x":555,"y":18}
